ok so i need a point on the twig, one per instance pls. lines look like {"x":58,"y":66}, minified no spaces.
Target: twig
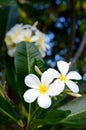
{"x":81,"y":48}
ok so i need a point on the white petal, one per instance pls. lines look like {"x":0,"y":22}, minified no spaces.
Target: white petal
{"x":44,"y":101}
{"x":63,"y":67}
{"x":34,"y":38}
{"x":54,"y":73}
{"x":74,"y":75}
{"x":47,"y":77}
{"x":42,"y":53}
{"x":32,"y":81}
{"x":56,"y":88}
{"x":11,"y":52}
{"x":31,"y":95}
{"x":72,"y":86}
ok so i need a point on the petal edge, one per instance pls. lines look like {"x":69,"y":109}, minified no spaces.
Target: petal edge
{"x":30,"y":95}
{"x":72,"y":86}
{"x":44,"y":101}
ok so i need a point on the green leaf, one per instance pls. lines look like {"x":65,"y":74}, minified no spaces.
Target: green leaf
{"x":52,"y":118}
{"x":7,"y":2}
{"x":4,"y":119}
{"x":82,"y":86}
{"x":9,"y":110}
{"x":25,"y":56}
{"x":39,"y":63}
{"x":10,"y":73}
{"x":77,"y":118}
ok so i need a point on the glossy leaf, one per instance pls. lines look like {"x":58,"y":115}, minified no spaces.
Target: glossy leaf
{"x":77,"y":118}
{"x":25,"y":56}
{"x":82,"y":86}
{"x":53,"y":117}
{"x":9,"y":110}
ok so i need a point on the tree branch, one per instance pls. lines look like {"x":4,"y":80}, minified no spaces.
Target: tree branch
{"x":81,"y":48}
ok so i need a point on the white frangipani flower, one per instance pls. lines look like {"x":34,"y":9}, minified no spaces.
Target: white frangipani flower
{"x":65,"y":77}
{"x":41,"y":90}
{"x":26,"y":33}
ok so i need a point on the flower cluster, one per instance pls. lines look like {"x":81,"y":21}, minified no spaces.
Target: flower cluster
{"x":26,"y":33}
{"x":52,"y":84}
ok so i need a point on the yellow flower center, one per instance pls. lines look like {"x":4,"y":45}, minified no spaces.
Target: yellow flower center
{"x":16,"y":35}
{"x":28,"y":39}
{"x":43,"y":88}
{"x":9,"y":40}
{"x":63,"y":78}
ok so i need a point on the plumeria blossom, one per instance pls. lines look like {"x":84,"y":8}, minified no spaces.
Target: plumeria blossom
{"x":41,"y":44}
{"x":42,"y":90}
{"x":26,"y":33}
{"x":64,"y":77}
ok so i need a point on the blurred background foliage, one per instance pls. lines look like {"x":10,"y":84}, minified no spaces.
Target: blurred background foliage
{"x":63,"y":22}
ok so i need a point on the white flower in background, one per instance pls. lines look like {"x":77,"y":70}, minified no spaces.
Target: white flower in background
{"x":65,"y":77}
{"x":41,"y":90}
{"x":26,"y":33}
{"x":41,"y":44}
{"x":13,"y":35}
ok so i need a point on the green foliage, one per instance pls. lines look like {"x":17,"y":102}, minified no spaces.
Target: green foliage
{"x":9,"y":109}
{"x":52,"y":118}
{"x":77,"y":118}
{"x":4,"y":119}
{"x":83,"y":87}
{"x":7,"y":2}
{"x":26,"y":57}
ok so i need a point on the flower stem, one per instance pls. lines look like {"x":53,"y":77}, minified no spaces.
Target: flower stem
{"x":29,"y":117}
